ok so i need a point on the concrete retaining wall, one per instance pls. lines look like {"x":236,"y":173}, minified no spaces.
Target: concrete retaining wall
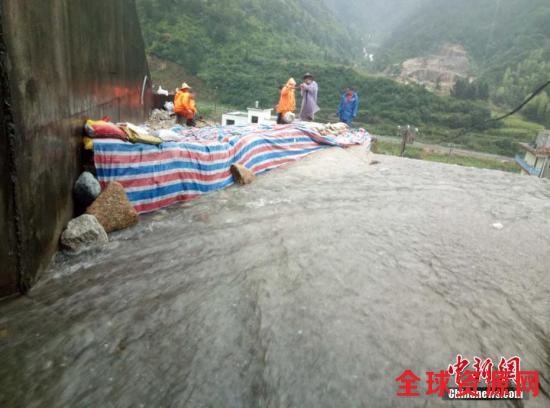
{"x":61,"y":61}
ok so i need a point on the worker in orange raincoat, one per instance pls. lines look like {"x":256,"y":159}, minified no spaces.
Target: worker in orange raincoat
{"x":287,"y":101}
{"x":184,"y":106}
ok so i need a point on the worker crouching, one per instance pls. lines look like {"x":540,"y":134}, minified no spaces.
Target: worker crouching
{"x":184,"y":106}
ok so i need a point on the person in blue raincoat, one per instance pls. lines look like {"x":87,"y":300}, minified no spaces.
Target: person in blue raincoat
{"x":347,"y":109}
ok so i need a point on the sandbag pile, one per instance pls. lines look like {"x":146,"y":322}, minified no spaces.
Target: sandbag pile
{"x":105,"y":129}
{"x":333,"y":129}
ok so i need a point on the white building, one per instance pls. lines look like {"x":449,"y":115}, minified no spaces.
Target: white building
{"x":254,"y":115}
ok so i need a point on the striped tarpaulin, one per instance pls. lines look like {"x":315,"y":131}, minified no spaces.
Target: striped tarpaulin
{"x":158,"y":176}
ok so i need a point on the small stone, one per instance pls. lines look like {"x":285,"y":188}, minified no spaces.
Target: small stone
{"x":113,"y":209}
{"x":83,"y":232}
{"x":122,"y":345}
{"x":498,"y":226}
{"x":3,"y":333}
{"x":86,"y":189}
{"x":241,"y":174}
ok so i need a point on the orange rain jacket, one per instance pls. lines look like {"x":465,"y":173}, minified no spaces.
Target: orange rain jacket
{"x":287,"y":101}
{"x":184,"y":104}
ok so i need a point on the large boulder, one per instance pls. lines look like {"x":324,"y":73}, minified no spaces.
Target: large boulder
{"x":241,"y":174}
{"x":83,"y":232}
{"x":86,"y":189}
{"x":113,"y":209}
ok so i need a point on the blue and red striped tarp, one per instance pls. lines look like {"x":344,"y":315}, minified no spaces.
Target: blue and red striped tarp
{"x":158,"y":176}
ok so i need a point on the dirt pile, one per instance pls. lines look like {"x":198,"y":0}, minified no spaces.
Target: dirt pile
{"x":437,"y":72}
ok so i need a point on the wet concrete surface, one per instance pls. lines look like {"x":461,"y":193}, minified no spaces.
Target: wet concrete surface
{"x":316,"y":286}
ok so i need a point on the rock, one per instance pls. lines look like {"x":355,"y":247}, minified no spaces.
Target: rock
{"x":498,"y":226}
{"x":83,"y":232}
{"x":113,"y":209}
{"x":241,"y":174}
{"x":159,"y":114}
{"x":86,"y":189}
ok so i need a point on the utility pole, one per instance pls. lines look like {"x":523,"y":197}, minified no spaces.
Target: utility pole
{"x":216,"y":102}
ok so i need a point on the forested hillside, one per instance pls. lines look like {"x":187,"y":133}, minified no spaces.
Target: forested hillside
{"x":374,"y":20}
{"x":508,"y":40}
{"x":245,"y":48}
{"x":497,"y":33}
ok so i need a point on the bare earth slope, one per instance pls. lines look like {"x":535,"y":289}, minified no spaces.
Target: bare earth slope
{"x":437,"y":72}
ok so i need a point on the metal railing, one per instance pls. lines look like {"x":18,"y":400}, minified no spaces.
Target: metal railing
{"x":532,"y":170}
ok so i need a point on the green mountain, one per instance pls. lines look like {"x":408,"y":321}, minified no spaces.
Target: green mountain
{"x":508,"y":41}
{"x":236,"y":52}
{"x":374,"y":20}
{"x":497,"y":33}
{"x":244,"y":48}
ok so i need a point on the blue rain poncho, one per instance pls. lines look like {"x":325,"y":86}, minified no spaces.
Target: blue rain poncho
{"x":347,"y":109}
